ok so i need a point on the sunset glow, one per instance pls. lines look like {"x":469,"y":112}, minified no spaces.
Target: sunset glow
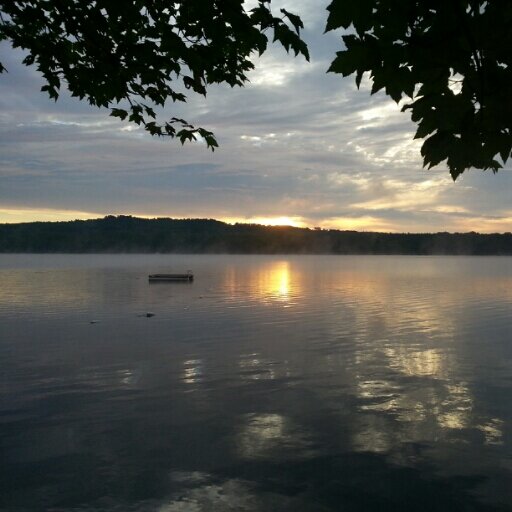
{"x":15,"y":215}
{"x":367,"y":220}
{"x":297,"y":147}
{"x":296,"y":222}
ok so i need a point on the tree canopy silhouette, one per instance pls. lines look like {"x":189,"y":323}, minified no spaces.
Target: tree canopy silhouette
{"x":132,"y":55}
{"x":131,"y":234}
{"x":450,"y":58}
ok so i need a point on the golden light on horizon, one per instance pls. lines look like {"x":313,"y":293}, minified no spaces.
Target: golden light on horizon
{"x":367,"y":221}
{"x":296,"y":222}
{"x":19,"y":215}
{"x":362,"y":223}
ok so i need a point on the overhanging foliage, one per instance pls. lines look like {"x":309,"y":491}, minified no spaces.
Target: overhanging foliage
{"x":131,"y":55}
{"x":452,"y":58}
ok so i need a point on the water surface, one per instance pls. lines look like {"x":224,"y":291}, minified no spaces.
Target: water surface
{"x":311,"y":383}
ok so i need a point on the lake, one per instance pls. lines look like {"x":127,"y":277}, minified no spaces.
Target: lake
{"x":279,"y":383}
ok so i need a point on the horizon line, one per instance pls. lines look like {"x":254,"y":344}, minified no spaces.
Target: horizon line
{"x":248,"y":222}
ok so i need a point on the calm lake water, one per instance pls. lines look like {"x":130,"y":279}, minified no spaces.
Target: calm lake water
{"x":311,"y":383}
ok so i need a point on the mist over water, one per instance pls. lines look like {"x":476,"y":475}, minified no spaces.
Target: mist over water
{"x":304,"y":383}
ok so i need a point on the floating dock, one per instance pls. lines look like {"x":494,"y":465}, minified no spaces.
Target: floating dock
{"x":171,"y":277}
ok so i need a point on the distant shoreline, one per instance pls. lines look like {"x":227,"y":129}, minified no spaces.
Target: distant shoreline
{"x":132,"y":235}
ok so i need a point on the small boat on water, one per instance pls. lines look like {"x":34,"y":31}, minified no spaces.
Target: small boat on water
{"x":171,"y":277}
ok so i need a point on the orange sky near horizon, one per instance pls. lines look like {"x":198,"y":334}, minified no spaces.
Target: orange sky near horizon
{"x":362,"y":223}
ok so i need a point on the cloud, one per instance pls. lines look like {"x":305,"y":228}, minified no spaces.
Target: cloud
{"x":295,"y":142}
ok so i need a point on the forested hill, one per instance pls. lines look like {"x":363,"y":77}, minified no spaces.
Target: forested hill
{"x":131,"y":234}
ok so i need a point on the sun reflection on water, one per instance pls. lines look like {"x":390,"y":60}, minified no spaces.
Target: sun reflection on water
{"x":260,"y":435}
{"x":275,"y":281}
{"x":367,"y":361}
{"x":493,"y":431}
{"x":192,"y":371}
{"x":418,"y":363}
{"x":272,"y":436}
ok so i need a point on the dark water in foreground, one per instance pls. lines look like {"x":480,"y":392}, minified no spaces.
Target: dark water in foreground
{"x":270,"y":383}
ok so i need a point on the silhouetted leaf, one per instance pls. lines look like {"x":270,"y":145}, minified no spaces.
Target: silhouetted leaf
{"x":119,"y":112}
{"x":294,"y":20}
{"x":135,"y":52}
{"x":451,"y":58}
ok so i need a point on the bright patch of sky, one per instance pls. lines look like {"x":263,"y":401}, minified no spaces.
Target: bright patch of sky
{"x":298,"y":146}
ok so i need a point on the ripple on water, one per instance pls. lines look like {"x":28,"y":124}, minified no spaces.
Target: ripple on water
{"x":270,"y":383}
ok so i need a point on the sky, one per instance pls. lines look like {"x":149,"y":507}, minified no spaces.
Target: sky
{"x":297,"y":146}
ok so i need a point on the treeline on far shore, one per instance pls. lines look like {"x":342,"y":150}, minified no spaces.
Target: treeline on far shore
{"x":127,"y":234}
